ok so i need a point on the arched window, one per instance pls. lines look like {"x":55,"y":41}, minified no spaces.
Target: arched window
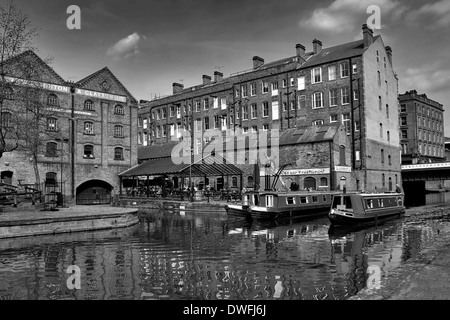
{"x":51,"y":124}
{"x":250,"y":181}
{"x":88,"y":127}
{"x":8,"y":93}
{"x":383,"y":180}
{"x":118,"y":153}
{"x":88,"y":151}
{"x":50,"y":178}
{"x":118,"y":131}
{"x":6,"y":119}
{"x":234,"y":182}
{"x":390,"y":184}
{"x":51,"y":148}
{"x":118,"y":109}
{"x":89,"y":105}
{"x":52,"y":100}
{"x":323,"y":182}
{"x":342,"y":155}
{"x":309,"y":182}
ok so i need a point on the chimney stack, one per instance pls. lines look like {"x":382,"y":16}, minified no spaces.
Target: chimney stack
{"x":317,"y":46}
{"x":367,"y":35}
{"x":218,"y":76}
{"x":300,"y":50}
{"x":389,"y":53}
{"x":177,"y":87}
{"x":257,"y":62}
{"x":206,"y":79}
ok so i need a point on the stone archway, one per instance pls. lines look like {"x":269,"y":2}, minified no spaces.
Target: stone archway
{"x":94,"y":192}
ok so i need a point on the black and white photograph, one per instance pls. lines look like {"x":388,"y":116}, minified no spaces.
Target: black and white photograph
{"x":225,"y":158}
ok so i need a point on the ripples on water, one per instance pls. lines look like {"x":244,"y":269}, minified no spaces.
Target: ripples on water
{"x":173,"y":255}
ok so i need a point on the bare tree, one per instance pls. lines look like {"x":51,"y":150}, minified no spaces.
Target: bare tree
{"x":16,"y":37}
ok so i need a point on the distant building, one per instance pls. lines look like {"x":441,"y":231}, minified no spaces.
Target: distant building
{"x":447,"y":148}
{"x":421,"y":128}
{"x":83,"y":167}
{"x":352,"y":85}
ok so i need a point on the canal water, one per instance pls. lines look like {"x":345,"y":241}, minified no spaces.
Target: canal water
{"x":174,"y":255}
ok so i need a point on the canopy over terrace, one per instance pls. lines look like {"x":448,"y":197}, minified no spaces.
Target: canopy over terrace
{"x":209,"y":166}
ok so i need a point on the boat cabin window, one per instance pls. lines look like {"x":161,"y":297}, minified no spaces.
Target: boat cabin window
{"x":303,"y":200}
{"x":342,"y":202}
{"x":380,"y":203}
{"x":369,"y":203}
{"x":315,"y":199}
{"x":255,"y":200}
{"x":246,"y":199}
{"x":324,"y":198}
{"x":290,"y":200}
{"x":269,"y":201}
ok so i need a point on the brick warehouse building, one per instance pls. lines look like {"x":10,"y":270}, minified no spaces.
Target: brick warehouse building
{"x":352,"y":85}
{"x":104,"y":115}
{"x":421,"y":129}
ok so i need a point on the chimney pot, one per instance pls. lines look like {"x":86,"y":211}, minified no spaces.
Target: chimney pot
{"x":257,"y":62}
{"x":317,"y":46}
{"x":177,"y":87}
{"x":300,"y":49}
{"x":218,"y":76}
{"x":206,"y":79}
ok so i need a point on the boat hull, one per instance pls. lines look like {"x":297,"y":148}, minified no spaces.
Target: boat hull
{"x":238,"y":212}
{"x":278,"y":213}
{"x":368,"y":218}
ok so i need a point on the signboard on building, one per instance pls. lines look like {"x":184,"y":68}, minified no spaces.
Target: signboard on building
{"x":301,"y":172}
{"x":342,"y":169}
{"x":101,"y":95}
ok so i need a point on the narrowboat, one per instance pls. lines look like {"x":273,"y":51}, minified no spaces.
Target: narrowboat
{"x":274,"y":205}
{"x":365,"y":208}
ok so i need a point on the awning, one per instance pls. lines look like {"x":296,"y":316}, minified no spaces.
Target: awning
{"x":208,"y":166}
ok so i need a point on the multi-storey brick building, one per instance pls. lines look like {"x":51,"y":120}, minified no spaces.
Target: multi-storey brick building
{"x":82,"y":163}
{"x":352,"y":85}
{"x":421,"y":129}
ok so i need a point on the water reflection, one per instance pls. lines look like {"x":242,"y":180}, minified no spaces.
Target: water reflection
{"x":187,"y":255}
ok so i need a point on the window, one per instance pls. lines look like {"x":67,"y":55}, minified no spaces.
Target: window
{"x":8,"y":93}
{"x":265,"y":107}
{"x":50,"y":178}
{"x":89,"y":127}
{"x":118,"y":153}
{"x":290,"y":200}
{"x":198,"y":146}
{"x":269,"y":201}
{"x":245,"y":130}
{"x":292,"y":105}
{"x":355,"y":94}
{"x":342,"y":155}
{"x":285,"y":108}
{"x":404,"y":134}
{"x":382,"y":156}
{"x":380,"y":103}
{"x":344,"y":69}
{"x":254,"y":111}
{"x":387,"y":111}
{"x":88,"y":151}
{"x":119,"y":110}
{"x":265,"y":87}
{"x":303,"y":200}
{"x":381,"y":130}
{"x":245,"y":113}
{"x":333,"y":97}
{"x":51,"y":124}
{"x":346,"y":122}
{"x":403,"y":121}
{"x":265,"y":127}
{"x":164,"y":129}
{"x":333,"y":118}
{"x":317,"y":123}
{"x":378,"y":56}
{"x":332,"y":73}
{"x":355,"y":68}
{"x":216,"y":122}
{"x":292,"y":82}
{"x":301,"y":83}
{"x":118,"y":131}
{"x":253,"y":89}
{"x":250,"y":181}
{"x":158,"y":132}
{"x":357,"y":126}
{"x":389,"y":160}
{"x":234,"y":182}
{"x":379,"y":78}
{"x":302,"y":102}
{"x":50,"y":149}
{"x":6,"y":119}
{"x":274,"y":88}
{"x":317,"y":100}
{"x":144,"y":123}
{"x":244,"y":91}
{"x":403,"y":108}
{"x":254,"y":129}
{"x":316,"y":75}
{"x":88,"y":105}
{"x":383,"y":180}
{"x":324,"y":183}
{"x":206,"y":104}
{"x":164,"y":113}
{"x":315,"y":199}
{"x":388,"y":136}
{"x":52,"y":100}
{"x":223,"y":103}
{"x":206,"y":123}
{"x":345,"y":95}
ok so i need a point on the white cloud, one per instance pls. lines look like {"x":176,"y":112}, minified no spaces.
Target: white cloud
{"x":343,"y":16}
{"x":125,"y":47}
{"x":432,"y":16}
{"x":432,"y":77}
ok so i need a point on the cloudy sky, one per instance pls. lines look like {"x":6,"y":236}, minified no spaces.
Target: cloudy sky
{"x":150,"y":44}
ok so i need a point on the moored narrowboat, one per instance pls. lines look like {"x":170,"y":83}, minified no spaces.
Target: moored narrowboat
{"x":272,"y":205}
{"x":365,"y":208}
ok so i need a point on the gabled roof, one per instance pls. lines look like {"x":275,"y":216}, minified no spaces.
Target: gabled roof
{"x":31,"y":54}
{"x":83,"y":82}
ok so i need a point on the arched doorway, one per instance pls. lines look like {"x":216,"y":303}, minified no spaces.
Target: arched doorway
{"x":309,"y":182}
{"x":342,"y":183}
{"x":6,"y":177}
{"x":94,"y":192}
